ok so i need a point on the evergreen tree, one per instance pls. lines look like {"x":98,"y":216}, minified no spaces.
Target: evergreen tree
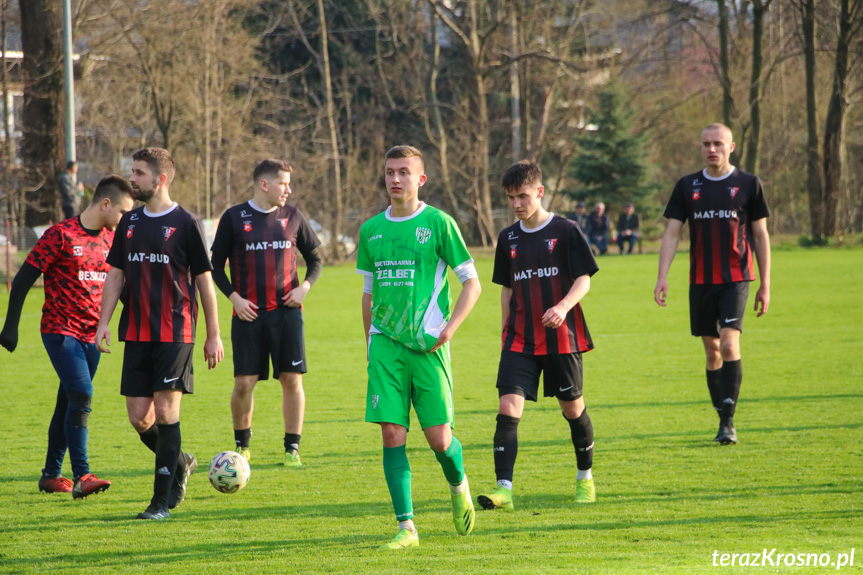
{"x":610,"y":164}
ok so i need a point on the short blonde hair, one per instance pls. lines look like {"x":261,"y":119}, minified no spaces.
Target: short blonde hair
{"x":399,"y":152}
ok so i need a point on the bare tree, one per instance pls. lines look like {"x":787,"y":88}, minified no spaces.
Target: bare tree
{"x":850,"y":20}
{"x":41,"y":151}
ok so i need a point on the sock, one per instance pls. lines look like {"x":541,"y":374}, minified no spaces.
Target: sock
{"x":505,"y":448}
{"x":581,"y":430}
{"x":451,"y":462}
{"x":732,"y":376}
{"x":150,"y":437}
{"x":397,"y":471}
{"x":167,"y":457}
{"x":292,"y":442}
{"x":407,"y":524}
{"x":584,"y":474}
{"x":714,"y":386}
{"x":242,"y":437}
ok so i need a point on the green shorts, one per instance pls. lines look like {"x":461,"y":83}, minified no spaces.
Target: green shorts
{"x":399,"y":376}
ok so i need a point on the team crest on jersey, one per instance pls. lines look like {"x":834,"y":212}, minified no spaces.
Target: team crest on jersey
{"x":168,"y":232}
{"x":733,"y":191}
{"x":512,"y":251}
{"x":284,"y":222}
{"x":247,"y":226}
{"x":130,"y":231}
{"x":551,"y":244}
{"x":696,"y":194}
{"x":423,"y":235}
{"x":78,"y":251}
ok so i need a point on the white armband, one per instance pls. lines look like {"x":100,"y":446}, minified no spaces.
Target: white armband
{"x":465,"y":271}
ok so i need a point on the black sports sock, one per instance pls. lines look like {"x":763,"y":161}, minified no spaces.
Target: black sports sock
{"x":505,"y":446}
{"x":242,"y":437}
{"x":292,"y":442}
{"x":167,"y":457}
{"x":150,"y":437}
{"x":732,"y":377}
{"x":714,"y":386}
{"x":581,"y":430}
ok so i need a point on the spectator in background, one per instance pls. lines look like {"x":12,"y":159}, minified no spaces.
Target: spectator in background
{"x":580,"y":216}
{"x":627,"y":228}
{"x":70,"y":197}
{"x":598,"y":227}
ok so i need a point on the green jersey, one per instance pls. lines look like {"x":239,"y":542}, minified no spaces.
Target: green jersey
{"x":407,"y":259}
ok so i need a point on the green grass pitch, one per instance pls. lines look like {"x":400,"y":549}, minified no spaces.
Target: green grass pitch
{"x":667,"y":497}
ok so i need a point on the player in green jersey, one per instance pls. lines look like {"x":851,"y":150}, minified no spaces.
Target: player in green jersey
{"x":409,"y":319}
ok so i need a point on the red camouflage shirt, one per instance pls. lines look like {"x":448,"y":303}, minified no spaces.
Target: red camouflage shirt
{"x":73,"y":262}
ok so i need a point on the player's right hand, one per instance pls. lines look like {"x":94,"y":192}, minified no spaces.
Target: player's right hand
{"x":9,"y":340}
{"x":245,"y":309}
{"x":660,"y":291}
{"x":103,"y":334}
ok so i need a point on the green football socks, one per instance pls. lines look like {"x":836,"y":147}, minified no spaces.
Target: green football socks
{"x":397,"y":471}
{"x":451,"y":462}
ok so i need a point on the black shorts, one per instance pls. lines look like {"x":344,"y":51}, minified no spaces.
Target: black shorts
{"x":518,"y":373}
{"x":275,"y":336}
{"x":155,"y":366}
{"x":713,"y":307}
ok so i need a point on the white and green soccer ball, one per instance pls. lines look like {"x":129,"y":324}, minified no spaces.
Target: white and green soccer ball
{"x":229,"y":472}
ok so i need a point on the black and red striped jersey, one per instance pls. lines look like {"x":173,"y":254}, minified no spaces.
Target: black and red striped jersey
{"x":261,"y":247}
{"x":540,"y":266}
{"x":160,"y":255}
{"x":720,"y":212}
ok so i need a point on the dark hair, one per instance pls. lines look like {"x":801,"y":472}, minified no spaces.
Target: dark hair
{"x":111,"y":187}
{"x":398,"y":152}
{"x":520,"y":174}
{"x":159,"y":161}
{"x":270,"y":168}
{"x":71,"y":164}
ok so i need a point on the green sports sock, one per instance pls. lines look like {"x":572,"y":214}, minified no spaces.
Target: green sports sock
{"x":451,"y":462}
{"x":397,"y":471}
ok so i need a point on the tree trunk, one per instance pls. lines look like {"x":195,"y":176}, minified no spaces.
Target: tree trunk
{"x":727,"y":100}
{"x":484,"y":220}
{"x":836,"y":115}
{"x":441,"y":141}
{"x":514,"y":88}
{"x":335,"y":248}
{"x":813,"y":164}
{"x":754,"y":139}
{"x":42,"y":68}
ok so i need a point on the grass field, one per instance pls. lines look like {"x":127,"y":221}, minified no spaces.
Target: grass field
{"x":667,"y":497}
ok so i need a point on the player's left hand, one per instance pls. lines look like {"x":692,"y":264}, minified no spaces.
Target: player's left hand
{"x":296,"y":296}
{"x":214,"y":352}
{"x":445,"y":336}
{"x":554,"y":317}
{"x":762,"y":297}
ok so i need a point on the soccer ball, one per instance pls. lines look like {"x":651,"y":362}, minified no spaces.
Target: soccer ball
{"x":229,"y":472}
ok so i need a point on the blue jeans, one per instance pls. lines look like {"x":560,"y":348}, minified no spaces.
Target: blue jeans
{"x":75,"y":363}
{"x":622,"y":240}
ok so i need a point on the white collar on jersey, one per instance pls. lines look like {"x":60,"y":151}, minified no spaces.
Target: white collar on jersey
{"x":393,"y":218}
{"x":160,"y":214}
{"x":534,"y":230}
{"x":720,"y":178}
{"x":262,"y":210}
